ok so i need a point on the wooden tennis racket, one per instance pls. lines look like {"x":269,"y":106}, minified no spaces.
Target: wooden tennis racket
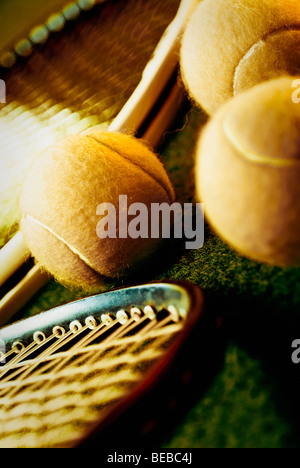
{"x":111,"y":369}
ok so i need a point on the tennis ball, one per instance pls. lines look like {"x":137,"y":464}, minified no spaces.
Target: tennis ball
{"x":230,"y":46}
{"x":248,"y":172}
{"x":60,"y":198}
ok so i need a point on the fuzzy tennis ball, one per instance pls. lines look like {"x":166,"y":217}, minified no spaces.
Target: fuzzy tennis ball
{"x":248,"y":172}
{"x":59,"y":203}
{"x":230,"y":46}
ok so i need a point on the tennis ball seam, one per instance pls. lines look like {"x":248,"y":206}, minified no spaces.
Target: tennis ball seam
{"x":252,"y":49}
{"x":134,"y":163}
{"x":254,"y":157}
{"x":61,"y":239}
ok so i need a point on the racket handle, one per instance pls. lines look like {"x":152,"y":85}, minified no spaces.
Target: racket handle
{"x":17,"y":297}
{"x":12,"y":257}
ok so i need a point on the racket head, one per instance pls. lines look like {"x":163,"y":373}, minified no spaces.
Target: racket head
{"x":128,"y":376}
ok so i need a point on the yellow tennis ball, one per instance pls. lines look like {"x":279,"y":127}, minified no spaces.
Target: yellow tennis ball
{"x":229,"y":46}
{"x":60,"y":199}
{"x":248,"y":172}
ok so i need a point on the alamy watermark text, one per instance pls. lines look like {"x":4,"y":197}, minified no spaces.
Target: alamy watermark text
{"x":2,"y":92}
{"x":159,"y":220}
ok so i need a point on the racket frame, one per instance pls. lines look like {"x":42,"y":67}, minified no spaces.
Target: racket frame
{"x":163,"y":378}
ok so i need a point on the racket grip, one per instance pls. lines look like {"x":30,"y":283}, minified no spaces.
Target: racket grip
{"x":12,"y":257}
{"x":17,"y":297}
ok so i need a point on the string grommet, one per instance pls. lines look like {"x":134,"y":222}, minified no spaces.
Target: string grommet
{"x":75,"y":326}
{"x":39,"y":337}
{"x":107,"y":319}
{"x":91,"y":323}
{"x":136,"y":313}
{"x":174,"y":313}
{"x":58,"y":331}
{"x":150,"y":312}
{"x":18,"y":347}
{"x":122,"y":317}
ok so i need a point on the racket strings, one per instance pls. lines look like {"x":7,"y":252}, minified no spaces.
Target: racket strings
{"x":52,"y":388}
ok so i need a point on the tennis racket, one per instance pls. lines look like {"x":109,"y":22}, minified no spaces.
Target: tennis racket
{"x":111,"y":369}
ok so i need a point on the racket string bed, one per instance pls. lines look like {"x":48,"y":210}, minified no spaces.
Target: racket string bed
{"x":53,"y":387}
